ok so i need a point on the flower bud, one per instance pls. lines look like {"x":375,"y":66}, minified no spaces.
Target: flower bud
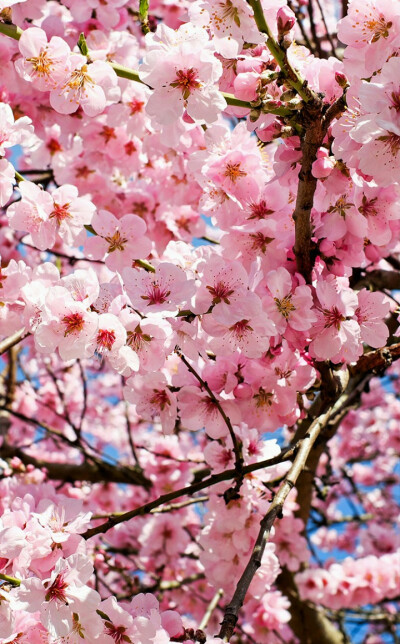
{"x":286,"y":20}
{"x":341,"y":79}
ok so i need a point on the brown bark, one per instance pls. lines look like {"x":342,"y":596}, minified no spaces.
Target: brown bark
{"x":308,"y":623}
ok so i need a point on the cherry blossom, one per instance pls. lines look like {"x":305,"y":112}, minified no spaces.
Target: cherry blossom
{"x":199,"y":281}
{"x":158,"y":292}
{"x":188,"y":85}
{"x":87,"y":85}
{"x":122,"y":239}
{"x":46,"y":64}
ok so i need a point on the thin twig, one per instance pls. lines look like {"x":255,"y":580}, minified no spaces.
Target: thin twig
{"x":188,"y":490}
{"x":210,"y":609}
{"x":12,"y":340}
{"x":237,"y":447}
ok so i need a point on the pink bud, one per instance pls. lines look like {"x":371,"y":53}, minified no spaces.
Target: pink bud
{"x":286,"y":20}
{"x":243,"y":391}
{"x":341,"y":79}
{"x":322,"y":167}
{"x":246,"y":85}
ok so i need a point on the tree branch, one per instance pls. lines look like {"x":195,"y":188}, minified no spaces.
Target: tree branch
{"x":94,"y":472}
{"x":274,"y":511}
{"x":12,"y":340}
{"x":279,"y":53}
{"x":190,"y":489}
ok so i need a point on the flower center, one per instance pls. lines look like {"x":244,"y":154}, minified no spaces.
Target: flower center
{"x":79,"y":78}
{"x":53,"y":146}
{"x":341,"y":206}
{"x":116,"y":242}
{"x":285,"y":305}
{"x":105,"y":340}
{"x":186,"y":80}
{"x":263,"y":398}
{"x":57,"y":590}
{"x":220,"y":291}
{"x":260,"y":242}
{"x":240,"y":329}
{"x":41,"y":64}
{"x":333,"y":318}
{"x":60,"y":213}
{"x":392,"y":142}
{"x":378,"y":27}
{"x":283,"y":373}
{"x":156,"y":294}
{"x":367,"y":207}
{"x":160,"y":399}
{"x":136,"y":339}
{"x":395,"y":100}
{"x":233,"y":172}
{"x":135,"y":106}
{"x":108,"y":133}
{"x":117,"y":633}
{"x":259,"y":210}
{"x":129,"y":148}
{"x":74,"y":323}
{"x":229,"y":12}
{"x":83,"y":172}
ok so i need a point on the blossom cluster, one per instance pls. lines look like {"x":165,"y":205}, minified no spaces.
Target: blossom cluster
{"x":157,"y":319}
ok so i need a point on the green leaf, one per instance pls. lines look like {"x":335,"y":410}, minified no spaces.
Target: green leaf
{"x":143,"y":10}
{"x":83,"y":48}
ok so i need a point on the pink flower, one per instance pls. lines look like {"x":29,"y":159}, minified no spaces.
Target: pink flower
{"x":162,"y":538}
{"x":122,"y":239}
{"x":370,"y":314}
{"x":336,"y":335}
{"x":183,"y":70}
{"x":146,"y":338}
{"x":106,"y":11}
{"x":370,"y":28}
{"x":221,"y":281}
{"x":152,"y":398}
{"x":45,"y":215}
{"x":110,"y":336}
{"x":287,"y":306}
{"x":89,"y":85}
{"x":236,"y":173}
{"x":285,"y":19}
{"x":159,"y":292}
{"x":70,"y":214}
{"x":119,"y":623}
{"x":60,"y":596}
{"x":32,"y":214}
{"x":198,"y":410}
{"x":324,"y":164}
{"x":243,"y":326}
{"x":64,"y":519}
{"x":45,"y":64}
{"x":13,"y":132}
{"x":231,"y":23}
{"x":66,"y":325}
{"x":7,"y":181}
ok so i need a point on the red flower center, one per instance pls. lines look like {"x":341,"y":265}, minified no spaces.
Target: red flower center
{"x":60,"y":212}
{"x":74,"y":323}
{"x":57,"y":590}
{"x":105,"y":339}
{"x":186,"y":80}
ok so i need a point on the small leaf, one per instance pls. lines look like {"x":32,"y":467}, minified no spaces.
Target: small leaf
{"x":143,"y":10}
{"x":83,"y":48}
